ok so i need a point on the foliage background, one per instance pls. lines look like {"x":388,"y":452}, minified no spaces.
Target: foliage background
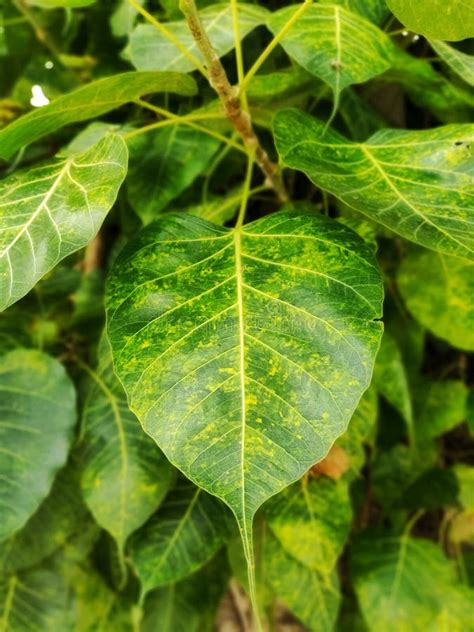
{"x":379,"y":535}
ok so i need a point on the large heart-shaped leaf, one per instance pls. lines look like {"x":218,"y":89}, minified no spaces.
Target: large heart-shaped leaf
{"x":150,"y":50}
{"x":125,"y":477}
{"x":336,"y":45}
{"x":49,"y":212}
{"x":187,"y":530}
{"x":38,"y":414}
{"x":453,"y":20}
{"x":416,"y":183}
{"x":87,"y":102}
{"x":244,"y":352}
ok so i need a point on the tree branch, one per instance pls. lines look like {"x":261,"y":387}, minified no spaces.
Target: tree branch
{"x":230,"y":99}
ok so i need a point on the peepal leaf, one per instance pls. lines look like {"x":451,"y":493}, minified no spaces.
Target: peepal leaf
{"x":36,"y":421}
{"x":336,"y":45}
{"x":36,"y":599}
{"x":125,"y":477}
{"x":185,"y":533}
{"x":418,"y":184}
{"x":312,"y":519}
{"x":88,"y":102}
{"x":51,"y":211}
{"x":461,"y":63}
{"x":374,"y":10}
{"x":438,"y":291}
{"x":150,"y":50}
{"x":437,"y":19}
{"x":165,"y":163}
{"x":244,"y":352}
{"x":407,"y":584}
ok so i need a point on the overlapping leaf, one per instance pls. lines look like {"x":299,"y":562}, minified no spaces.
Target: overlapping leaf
{"x":125,"y":476}
{"x":418,"y":184}
{"x":438,"y":291}
{"x":245,"y":352}
{"x":407,"y":584}
{"x":163,"y":164}
{"x":185,"y":533}
{"x":88,"y":102}
{"x":36,"y":419}
{"x":50,"y":211}
{"x":150,"y":50}
{"x":461,"y":63}
{"x":61,"y":519}
{"x":453,"y":20}
{"x":338,"y":46}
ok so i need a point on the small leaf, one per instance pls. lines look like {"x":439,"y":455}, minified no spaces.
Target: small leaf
{"x":53,"y":210}
{"x":88,"y":102}
{"x":438,"y":291}
{"x":439,"y":407}
{"x":230,"y":354}
{"x":61,"y":4}
{"x":417,"y":184}
{"x":461,"y":63}
{"x":391,"y":381}
{"x":338,"y":46}
{"x":188,"y":606}
{"x":36,"y":599}
{"x":61,"y":518}
{"x":312,"y":520}
{"x":437,"y":19}
{"x":125,"y":477}
{"x":165,"y":163}
{"x":374,"y":10}
{"x":38,"y":404}
{"x":312,"y":596}
{"x":407,"y":584}
{"x":150,"y":50}
{"x":185,"y":533}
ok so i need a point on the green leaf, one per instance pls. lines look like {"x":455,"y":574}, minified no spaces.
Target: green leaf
{"x":313,"y":597}
{"x":439,"y":407}
{"x":407,"y":584}
{"x":88,"y":102}
{"x":429,"y":89}
{"x":438,"y":292}
{"x":336,"y":45}
{"x":189,"y":605}
{"x":416,"y":183}
{"x":165,"y":163}
{"x":185,"y":533}
{"x":61,"y":518}
{"x":436,"y":19}
{"x":391,"y":381}
{"x":361,"y":431}
{"x":51,"y":211}
{"x":150,"y":50}
{"x":311,"y":520}
{"x":125,"y":477}
{"x":461,"y":63}
{"x":36,"y":599}
{"x":374,"y":10}
{"x":61,"y":4}
{"x":465,"y":478}
{"x":38,"y":415}
{"x":244,"y":352}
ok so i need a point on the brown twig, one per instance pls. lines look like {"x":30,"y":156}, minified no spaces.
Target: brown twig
{"x":230,"y":99}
